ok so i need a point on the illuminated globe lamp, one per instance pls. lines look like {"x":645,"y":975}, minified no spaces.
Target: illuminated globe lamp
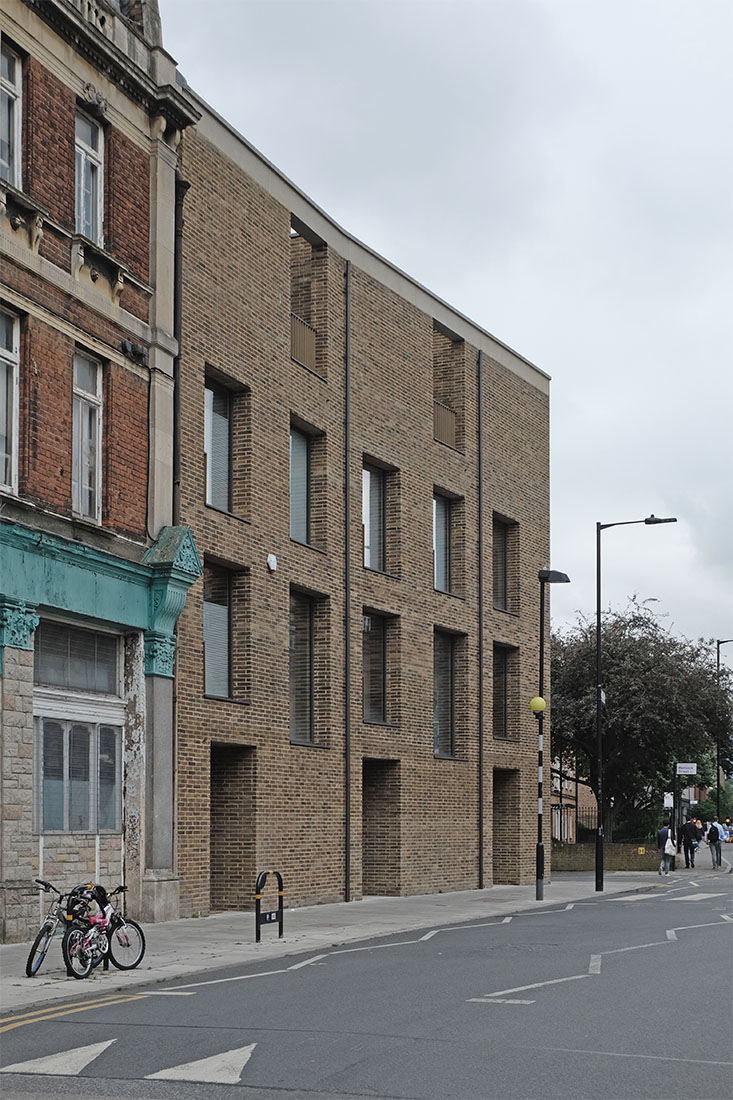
{"x":537,"y":705}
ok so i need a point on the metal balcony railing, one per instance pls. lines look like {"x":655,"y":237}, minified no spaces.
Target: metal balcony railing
{"x":302,"y":342}
{"x":444,"y":424}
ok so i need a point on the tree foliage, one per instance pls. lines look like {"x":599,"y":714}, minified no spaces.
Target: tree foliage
{"x":664,"y":704}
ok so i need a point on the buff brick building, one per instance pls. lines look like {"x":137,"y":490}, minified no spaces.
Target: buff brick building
{"x":272,"y":515}
{"x":365,"y":472}
{"x":92,"y":572}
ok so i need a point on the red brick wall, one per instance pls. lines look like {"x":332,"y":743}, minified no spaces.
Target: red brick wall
{"x":44,"y":466}
{"x":48,"y":115}
{"x":49,"y":168}
{"x":127,"y":203}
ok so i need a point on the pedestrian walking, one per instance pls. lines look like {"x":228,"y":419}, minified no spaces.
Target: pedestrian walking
{"x":667,"y":848}
{"x":714,"y":843}
{"x":689,"y":841}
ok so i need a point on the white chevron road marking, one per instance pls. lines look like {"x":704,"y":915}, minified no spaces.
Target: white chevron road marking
{"x":223,"y":1069}
{"x":68,"y":1063}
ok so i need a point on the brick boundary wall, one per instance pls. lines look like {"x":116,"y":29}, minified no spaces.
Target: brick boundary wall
{"x":616,"y":857}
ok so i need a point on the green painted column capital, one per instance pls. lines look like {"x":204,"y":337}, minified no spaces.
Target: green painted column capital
{"x":175,"y":566}
{"x":18,"y":620}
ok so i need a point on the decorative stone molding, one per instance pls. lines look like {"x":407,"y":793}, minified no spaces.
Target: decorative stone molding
{"x":160,"y":651}
{"x":85,"y":253}
{"x":94,"y":101}
{"x":35,"y":232}
{"x":23,"y":213}
{"x":157,"y":127}
{"x":77,"y":258}
{"x":18,"y":620}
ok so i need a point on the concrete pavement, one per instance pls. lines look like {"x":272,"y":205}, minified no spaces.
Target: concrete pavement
{"x":179,"y":948}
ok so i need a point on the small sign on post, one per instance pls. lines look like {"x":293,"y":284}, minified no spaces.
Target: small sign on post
{"x":687,"y":769}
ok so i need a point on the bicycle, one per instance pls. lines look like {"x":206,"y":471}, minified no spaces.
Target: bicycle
{"x":101,"y":937}
{"x":58,"y":914}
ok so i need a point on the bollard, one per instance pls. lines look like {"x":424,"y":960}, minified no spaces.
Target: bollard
{"x":274,"y":914}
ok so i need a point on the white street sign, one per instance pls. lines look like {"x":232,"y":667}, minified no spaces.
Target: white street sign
{"x":687,"y":769}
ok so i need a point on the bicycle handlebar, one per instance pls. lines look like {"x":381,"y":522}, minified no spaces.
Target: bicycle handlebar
{"x":48,"y":887}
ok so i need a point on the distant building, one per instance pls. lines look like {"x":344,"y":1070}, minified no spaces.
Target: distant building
{"x":92,"y":574}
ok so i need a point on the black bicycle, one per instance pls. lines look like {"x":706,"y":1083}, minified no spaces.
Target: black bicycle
{"x":58,"y":915}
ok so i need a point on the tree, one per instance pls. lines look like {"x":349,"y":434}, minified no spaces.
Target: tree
{"x":663,"y":705}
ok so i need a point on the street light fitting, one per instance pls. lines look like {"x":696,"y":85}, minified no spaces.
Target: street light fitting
{"x":537,"y":705}
{"x":659,"y":519}
{"x":553,"y":576}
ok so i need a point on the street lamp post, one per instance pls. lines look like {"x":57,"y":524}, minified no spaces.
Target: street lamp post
{"x":649,"y":521}
{"x":537,"y":706}
{"x":719,"y":643}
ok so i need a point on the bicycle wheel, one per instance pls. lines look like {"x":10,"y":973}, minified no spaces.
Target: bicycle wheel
{"x":38,"y":951}
{"x":78,"y":960}
{"x":126,"y":944}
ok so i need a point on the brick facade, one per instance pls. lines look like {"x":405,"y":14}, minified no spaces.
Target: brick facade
{"x":404,"y":820}
{"x":303,"y":334}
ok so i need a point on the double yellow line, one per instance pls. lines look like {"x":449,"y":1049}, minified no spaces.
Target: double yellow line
{"x":8,"y":1023}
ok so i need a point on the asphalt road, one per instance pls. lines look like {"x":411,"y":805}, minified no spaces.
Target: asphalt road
{"x":615,"y":998}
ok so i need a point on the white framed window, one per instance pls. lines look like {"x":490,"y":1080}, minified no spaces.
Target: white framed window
{"x":300,"y":463}
{"x":217,"y":632}
{"x":218,"y":446}
{"x":86,"y":465}
{"x":374,"y":516}
{"x":9,"y":426}
{"x":89,"y":178}
{"x":80,"y":766}
{"x":441,"y":543}
{"x":11,"y":86}
{"x":78,"y":718}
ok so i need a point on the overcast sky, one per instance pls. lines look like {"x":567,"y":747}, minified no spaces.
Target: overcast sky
{"x":562,"y":173}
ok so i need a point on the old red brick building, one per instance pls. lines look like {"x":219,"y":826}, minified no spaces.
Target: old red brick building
{"x":92,"y":572}
{"x":365,"y":472}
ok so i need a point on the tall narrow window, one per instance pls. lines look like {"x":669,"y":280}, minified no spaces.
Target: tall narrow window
{"x":301,"y":668}
{"x":373,"y":516}
{"x":374,"y":664}
{"x":9,"y":370}
{"x":89,"y":178}
{"x":10,"y":116}
{"x":217,"y":446}
{"x":443,"y":693}
{"x":442,"y":543}
{"x":501,"y":533}
{"x":217,"y":631}
{"x":501,"y":692}
{"x":86,"y":469}
{"x":506,"y":564}
{"x":299,"y":486}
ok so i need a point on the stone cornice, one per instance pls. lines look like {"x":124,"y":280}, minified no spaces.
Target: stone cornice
{"x":107,"y":58}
